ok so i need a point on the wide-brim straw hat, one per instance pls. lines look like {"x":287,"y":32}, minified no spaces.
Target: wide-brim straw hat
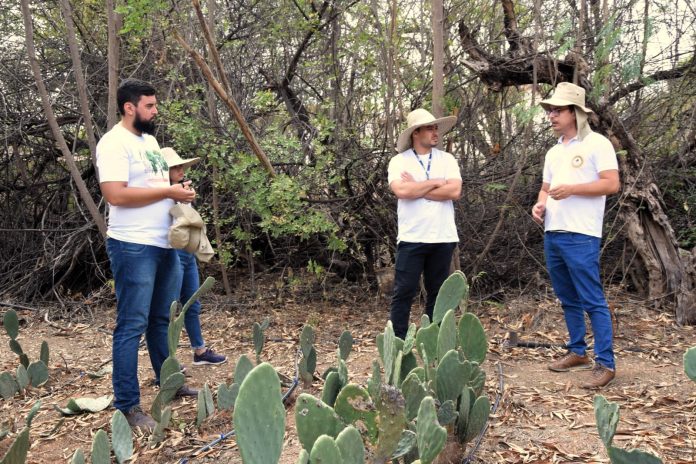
{"x":567,"y":94}
{"x":173,"y":159}
{"x":419,"y":118}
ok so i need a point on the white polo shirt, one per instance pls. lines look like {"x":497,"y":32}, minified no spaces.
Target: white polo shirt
{"x":578,"y":162}
{"x":123,"y":156}
{"x":421,"y":220}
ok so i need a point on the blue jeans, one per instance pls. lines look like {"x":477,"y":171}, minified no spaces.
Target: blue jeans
{"x":412,"y":259}
{"x":573,"y":264}
{"x":189,"y":284}
{"x":147,"y":281}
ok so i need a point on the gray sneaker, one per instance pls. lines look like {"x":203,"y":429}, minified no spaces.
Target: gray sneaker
{"x":137,"y":418}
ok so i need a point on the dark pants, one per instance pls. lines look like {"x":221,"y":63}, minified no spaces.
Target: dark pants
{"x":412,"y":259}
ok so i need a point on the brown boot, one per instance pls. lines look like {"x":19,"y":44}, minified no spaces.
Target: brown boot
{"x":600,"y":377}
{"x":138,"y":419}
{"x":571,"y":362}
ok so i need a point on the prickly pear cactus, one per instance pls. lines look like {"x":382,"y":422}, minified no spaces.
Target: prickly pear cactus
{"x":392,"y":421}
{"x":8,"y":386}
{"x":410,"y":340}
{"x":78,"y":457}
{"x":426,"y":342}
{"x":205,"y":407}
{"x":243,"y":367}
{"x":447,"y":413}
{"x":167,"y":391}
{"x":690,"y":363}
{"x":407,"y":443}
{"x":354,"y":404}
{"x":259,"y":416}
{"x":38,"y":373}
{"x":158,"y":433}
{"x":306,"y":339}
{"x":17,"y":454}
{"x":345,"y":345}
{"x":226,"y":396}
{"x":454,"y":290}
{"x":414,"y":391}
{"x":430,"y":435}
{"x":351,"y":446}
{"x":22,"y":377}
{"x":11,"y":323}
{"x":314,"y":418}
{"x":44,"y":352}
{"x":307,"y":367}
{"x":447,"y":336}
{"x":472,"y":338}
{"x":634,"y":456}
{"x":607,"y":417}
{"x":101,"y":451}
{"x":121,"y":437}
{"x":325,"y":451}
{"x":259,"y":338}
{"x":451,"y":376}
{"x":332,"y":386}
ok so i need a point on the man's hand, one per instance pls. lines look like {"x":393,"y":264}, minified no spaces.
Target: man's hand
{"x":183,"y":193}
{"x":561,"y":192}
{"x":538,"y":212}
{"x":407,"y":177}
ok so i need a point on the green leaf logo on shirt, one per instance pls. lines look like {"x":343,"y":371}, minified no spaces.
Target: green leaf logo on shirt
{"x":157,"y":162}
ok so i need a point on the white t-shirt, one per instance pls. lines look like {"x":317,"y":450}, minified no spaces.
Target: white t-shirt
{"x":421,"y":220}
{"x":123,"y":156}
{"x":578,"y":162}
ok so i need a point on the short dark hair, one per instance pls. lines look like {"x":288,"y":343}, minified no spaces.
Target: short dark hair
{"x":131,"y":90}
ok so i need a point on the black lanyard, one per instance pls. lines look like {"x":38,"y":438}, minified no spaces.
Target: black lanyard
{"x":430,"y":159}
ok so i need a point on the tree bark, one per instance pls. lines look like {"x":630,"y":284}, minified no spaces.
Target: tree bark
{"x":438,"y":13}
{"x":667,"y":275}
{"x":80,"y":81}
{"x":55,"y":129}
{"x":112,"y":59}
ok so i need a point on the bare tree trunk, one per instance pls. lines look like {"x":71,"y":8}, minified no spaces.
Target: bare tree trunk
{"x":438,"y":60}
{"x":231,"y":104}
{"x":112,"y":59}
{"x":80,"y":81}
{"x":55,"y":129}
{"x":212,"y":111}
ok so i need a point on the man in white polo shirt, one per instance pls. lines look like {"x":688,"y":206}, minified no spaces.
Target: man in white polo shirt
{"x":426,"y":181}
{"x":579,"y":171}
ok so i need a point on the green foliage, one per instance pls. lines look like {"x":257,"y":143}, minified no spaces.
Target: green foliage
{"x":607,"y":417}
{"x":325,"y":451}
{"x":430,"y":435}
{"x":227,"y":396}
{"x":350,"y":445}
{"x":8,"y":385}
{"x":690,"y":363}
{"x":314,"y":418}
{"x":259,"y":416}
{"x":17,"y":454}
{"x":258,"y":337}
{"x":11,"y":323}
{"x":38,"y":373}
{"x":78,"y":457}
{"x":121,"y":437}
{"x":345,"y":345}
{"x":205,"y":406}
{"x":354,"y":404}
{"x":472,"y":338}
{"x":101,"y":450}
{"x":85,"y":404}
{"x":453,"y":292}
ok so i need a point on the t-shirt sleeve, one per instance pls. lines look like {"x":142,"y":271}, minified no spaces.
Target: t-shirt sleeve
{"x":546,"y":176}
{"x":112,"y":162}
{"x":394,"y":169}
{"x":453,"y":171}
{"x":605,"y":156}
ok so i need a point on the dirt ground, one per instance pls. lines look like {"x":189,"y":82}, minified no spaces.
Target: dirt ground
{"x":541,"y":417}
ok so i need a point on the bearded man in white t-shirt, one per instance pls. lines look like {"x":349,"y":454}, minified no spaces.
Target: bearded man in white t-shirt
{"x":579,"y":171}
{"x":426,"y":181}
{"x":134,"y":179}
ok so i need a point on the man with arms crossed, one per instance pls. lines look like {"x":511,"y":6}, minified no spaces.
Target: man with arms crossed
{"x":579,"y":171}
{"x":135,"y":182}
{"x":426,"y":181}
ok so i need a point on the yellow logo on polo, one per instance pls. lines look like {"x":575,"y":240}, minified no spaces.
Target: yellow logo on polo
{"x":577,"y":161}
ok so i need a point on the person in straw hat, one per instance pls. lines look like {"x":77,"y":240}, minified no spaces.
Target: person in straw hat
{"x":579,"y":171}
{"x":426,"y":182}
{"x":134,"y":180}
{"x":189,"y":280}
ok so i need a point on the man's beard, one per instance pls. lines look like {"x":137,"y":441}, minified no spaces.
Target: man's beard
{"x":144,"y":126}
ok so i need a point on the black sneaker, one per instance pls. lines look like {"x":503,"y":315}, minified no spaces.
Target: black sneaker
{"x":137,"y":418}
{"x":208,"y":357}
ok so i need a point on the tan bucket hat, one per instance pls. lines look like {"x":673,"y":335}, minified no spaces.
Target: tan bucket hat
{"x":567,"y":94}
{"x":188,"y":232}
{"x":419,"y":118}
{"x":173,"y":159}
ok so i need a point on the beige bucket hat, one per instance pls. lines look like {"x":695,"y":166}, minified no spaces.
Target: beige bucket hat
{"x":419,"y":118}
{"x":173,"y":159}
{"x":567,"y":94}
